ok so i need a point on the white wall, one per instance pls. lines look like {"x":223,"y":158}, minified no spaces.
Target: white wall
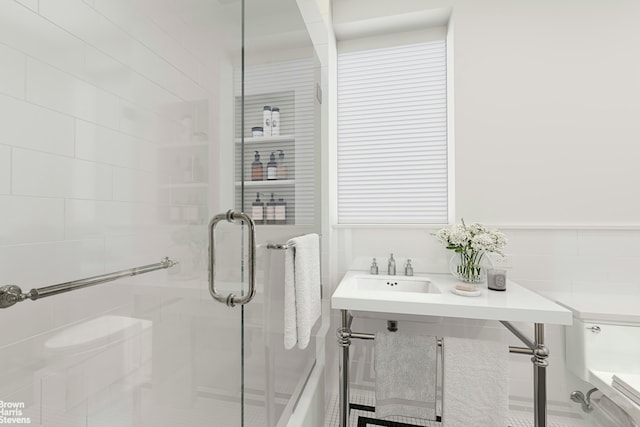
{"x":545,"y":104}
{"x":545,"y":99}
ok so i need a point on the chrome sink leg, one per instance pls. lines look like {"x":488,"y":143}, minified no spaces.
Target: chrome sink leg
{"x":540,"y":363}
{"x":344,"y":341}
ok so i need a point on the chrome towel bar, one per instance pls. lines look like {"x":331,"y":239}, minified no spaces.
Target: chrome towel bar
{"x":535,"y":348}
{"x":12,"y":294}
{"x":280,"y":246}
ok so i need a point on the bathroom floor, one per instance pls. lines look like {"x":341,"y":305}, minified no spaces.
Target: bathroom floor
{"x":367,"y":398}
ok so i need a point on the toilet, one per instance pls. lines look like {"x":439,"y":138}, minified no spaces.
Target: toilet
{"x":603,"y":341}
{"x":94,"y":334}
{"x":83,"y":360}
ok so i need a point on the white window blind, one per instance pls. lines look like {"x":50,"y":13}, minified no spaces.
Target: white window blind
{"x":392,"y":135}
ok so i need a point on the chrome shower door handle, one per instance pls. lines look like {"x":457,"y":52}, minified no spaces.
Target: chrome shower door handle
{"x":232,"y":216}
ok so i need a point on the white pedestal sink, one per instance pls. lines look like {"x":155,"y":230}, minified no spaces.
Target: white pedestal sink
{"x":422,"y":296}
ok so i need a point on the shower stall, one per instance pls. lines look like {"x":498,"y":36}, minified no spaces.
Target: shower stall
{"x":127,"y":126}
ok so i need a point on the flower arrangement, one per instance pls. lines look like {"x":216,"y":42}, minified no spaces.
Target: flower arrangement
{"x":471,"y":242}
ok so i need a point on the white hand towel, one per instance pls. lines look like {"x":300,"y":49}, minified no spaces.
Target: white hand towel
{"x":302,"y":302}
{"x":405,"y":368}
{"x":476,"y":383}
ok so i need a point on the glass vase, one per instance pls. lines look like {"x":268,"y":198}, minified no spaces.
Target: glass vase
{"x":468,"y":267}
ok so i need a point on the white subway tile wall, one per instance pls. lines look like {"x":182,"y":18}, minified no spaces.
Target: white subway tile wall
{"x":5,"y":169}
{"x":12,"y":65}
{"x":90,"y":93}
{"x":52,"y":134}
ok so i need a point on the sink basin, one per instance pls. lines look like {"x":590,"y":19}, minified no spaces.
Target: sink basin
{"x":394,"y":284}
{"x":392,"y":297}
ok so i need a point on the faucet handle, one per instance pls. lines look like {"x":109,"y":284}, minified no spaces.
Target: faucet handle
{"x":374,"y":267}
{"x":408,"y":268}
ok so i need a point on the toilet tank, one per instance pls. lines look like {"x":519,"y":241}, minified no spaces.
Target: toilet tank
{"x":602,"y":346}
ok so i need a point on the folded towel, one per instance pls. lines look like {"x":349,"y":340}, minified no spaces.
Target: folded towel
{"x":476,"y":383}
{"x":405,"y":368}
{"x":302,"y":301}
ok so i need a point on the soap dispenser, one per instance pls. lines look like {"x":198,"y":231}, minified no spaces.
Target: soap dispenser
{"x":257,"y":210}
{"x":282,"y":169}
{"x":257,"y":172}
{"x":271,"y":211}
{"x":272,"y":167}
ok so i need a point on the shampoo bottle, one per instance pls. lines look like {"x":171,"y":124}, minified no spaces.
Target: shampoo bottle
{"x":266,"y":121}
{"x":256,"y":168}
{"x":275,"y":121}
{"x":257,"y":210}
{"x":272,"y":167}
{"x":282,"y":169}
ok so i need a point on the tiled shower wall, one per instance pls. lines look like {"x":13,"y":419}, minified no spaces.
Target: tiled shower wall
{"x":598,"y":261}
{"x":89,"y":90}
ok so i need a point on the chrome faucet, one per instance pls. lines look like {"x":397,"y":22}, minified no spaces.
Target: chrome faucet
{"x":391,"y":266}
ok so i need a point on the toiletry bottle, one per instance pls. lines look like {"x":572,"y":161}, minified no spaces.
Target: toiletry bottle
{"x":391,"y":267}
{"x":275,"y":121}
{"x":257,"y":210}
{"x":266,"y":121}
{"x":282,"y":168}
{"x":187,"y":173}
{"x":272,"y":167}
{"x":187,"y":129}
{"x":281,"y":212}
{"x":256,"y":168}
{"x":271,"y":211}
{"x":270,"y":215}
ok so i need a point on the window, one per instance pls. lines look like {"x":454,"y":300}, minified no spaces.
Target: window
{"x":392,"y":135}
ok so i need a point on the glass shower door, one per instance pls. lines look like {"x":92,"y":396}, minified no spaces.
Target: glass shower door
{"x":275,"y":144}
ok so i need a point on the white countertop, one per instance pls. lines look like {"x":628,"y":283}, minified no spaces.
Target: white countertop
{"x":600,"y":307}
{"x":516,"y":304}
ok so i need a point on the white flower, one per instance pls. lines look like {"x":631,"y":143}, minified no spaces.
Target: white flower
{"x":475,"y":238}
{"x":443,"y":235}
{"x":483,"y":242}
{"x":477,"y":228}
{"x":459,"y":236}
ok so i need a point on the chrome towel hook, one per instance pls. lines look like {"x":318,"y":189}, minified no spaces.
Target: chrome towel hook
{"x":232,"y":216}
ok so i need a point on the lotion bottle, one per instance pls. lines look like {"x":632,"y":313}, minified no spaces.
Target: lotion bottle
{"x":272,"y":167}
{"x":257,"y":172}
